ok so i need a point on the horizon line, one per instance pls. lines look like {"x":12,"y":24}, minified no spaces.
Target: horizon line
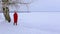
{"x":28,"y":11}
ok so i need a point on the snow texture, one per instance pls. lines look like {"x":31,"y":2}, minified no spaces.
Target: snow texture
{"x":32,"y":23}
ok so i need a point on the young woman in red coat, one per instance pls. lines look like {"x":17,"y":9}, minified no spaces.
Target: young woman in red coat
{"x":15,"y":18}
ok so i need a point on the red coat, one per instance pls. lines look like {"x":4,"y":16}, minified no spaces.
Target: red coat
{"x":15,"y":17}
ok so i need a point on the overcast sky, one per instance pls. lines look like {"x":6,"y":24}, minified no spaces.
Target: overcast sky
{"x":40,"y":5}
{"x":45,"y":5}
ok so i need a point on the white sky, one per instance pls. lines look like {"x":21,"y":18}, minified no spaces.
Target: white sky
{"x":45,"y":5}
{"x":40,"y":5}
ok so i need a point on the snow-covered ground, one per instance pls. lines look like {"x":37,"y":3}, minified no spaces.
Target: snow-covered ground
{"x":32,"y":23}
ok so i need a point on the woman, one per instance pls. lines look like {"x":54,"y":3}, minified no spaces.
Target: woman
{"x":15,"y":18}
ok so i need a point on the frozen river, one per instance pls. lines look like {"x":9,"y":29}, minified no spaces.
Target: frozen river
{"x":32,"y":23}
